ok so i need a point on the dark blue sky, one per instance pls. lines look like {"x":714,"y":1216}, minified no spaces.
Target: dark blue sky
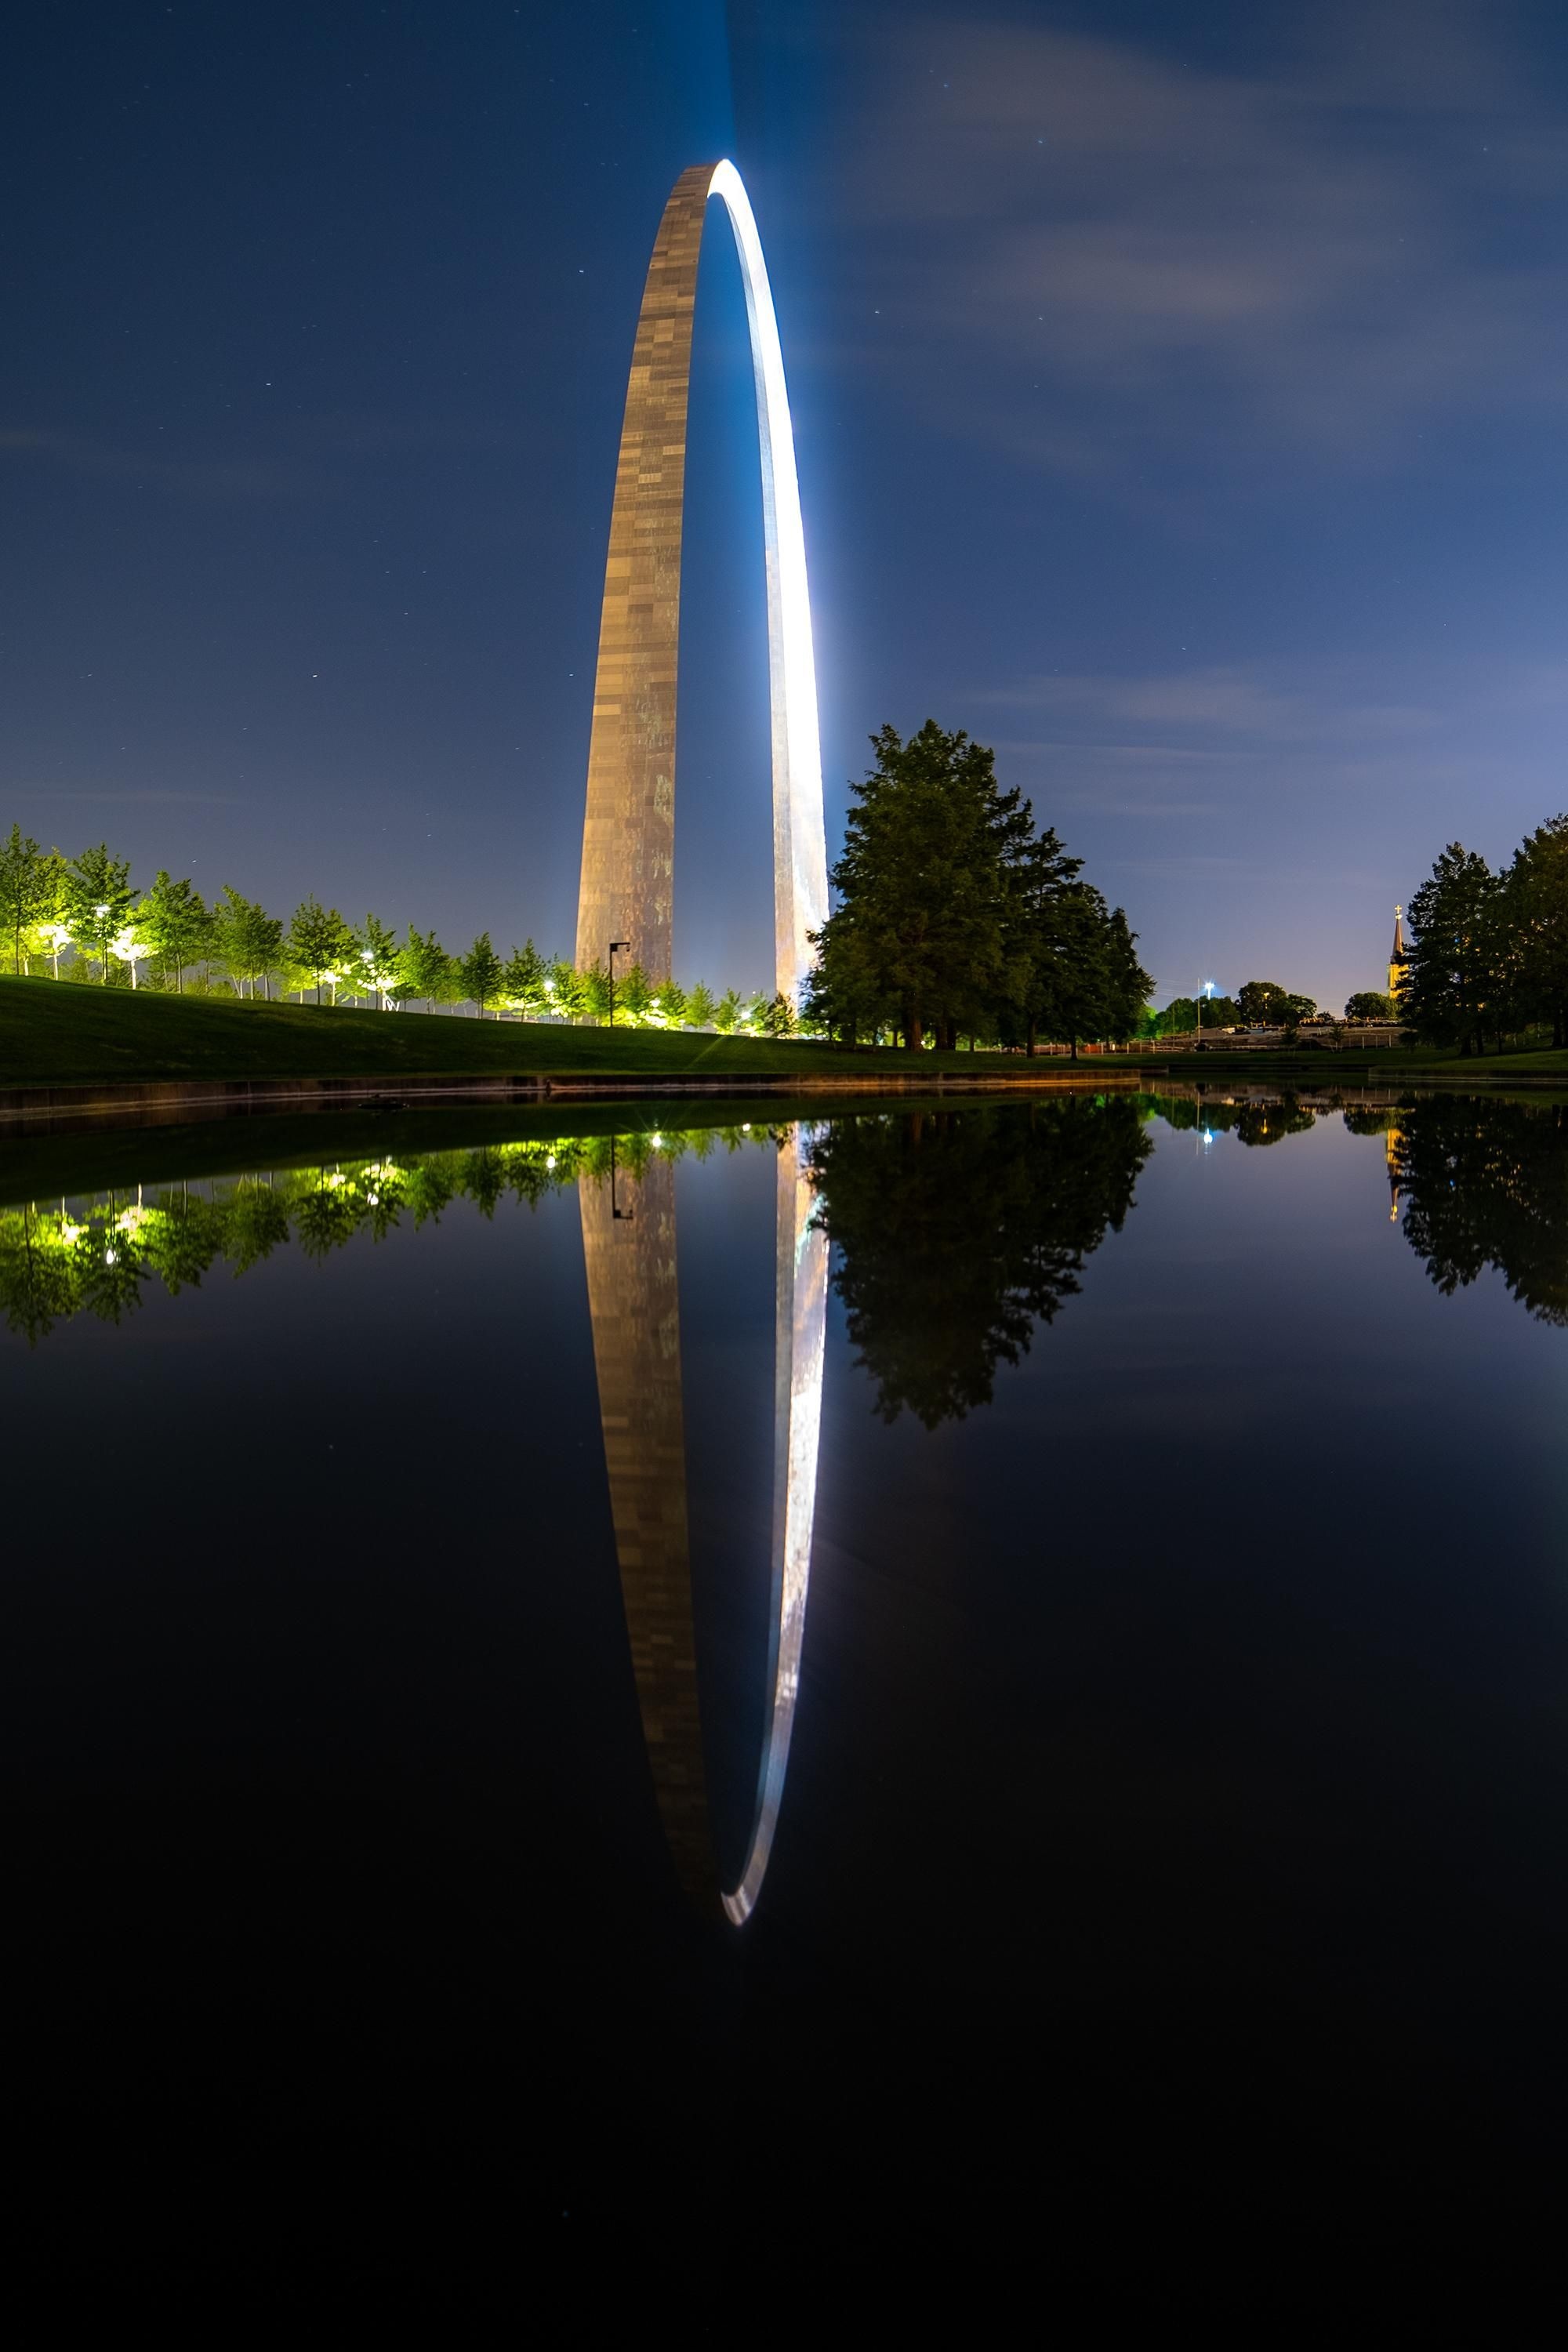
{"x":1178,"y":394}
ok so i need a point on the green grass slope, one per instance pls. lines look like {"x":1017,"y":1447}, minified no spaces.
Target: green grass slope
{"x":62,"y":1033}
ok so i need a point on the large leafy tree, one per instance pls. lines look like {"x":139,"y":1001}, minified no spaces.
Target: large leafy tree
{"x":920,"y":932}
{"x":97,"y":902}
{"x":380,"y":958}
{"x":248,"y":940}
{"x":1536,"y":910}
{"x":1263,"y":1003}
{"x":1368,"y":1004}
{"x":426,"y":969}
{"x":482,"y":972}
{"x":524,"y":981}
{"x":1454,"y":970}
{"x":29,"y":887}
{"x":175,"y":926}
{"x":321,"y":943}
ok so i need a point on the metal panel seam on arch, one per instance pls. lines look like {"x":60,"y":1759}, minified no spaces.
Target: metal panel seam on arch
{"x":628,"y":888}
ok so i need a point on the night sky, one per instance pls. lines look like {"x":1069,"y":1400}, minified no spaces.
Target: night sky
{"x":1178,"y":394}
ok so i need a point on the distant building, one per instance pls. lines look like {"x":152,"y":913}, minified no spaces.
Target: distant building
{"x":1398,"y":959}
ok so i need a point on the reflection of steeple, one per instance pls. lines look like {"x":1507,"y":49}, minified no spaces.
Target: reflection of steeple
{"x":1391,"y":1142}
{"x":635,"y":1309}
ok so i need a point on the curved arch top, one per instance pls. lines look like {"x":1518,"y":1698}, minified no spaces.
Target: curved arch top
{"x":628,"y":888}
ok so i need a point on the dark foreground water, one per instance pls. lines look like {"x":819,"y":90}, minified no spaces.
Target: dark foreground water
{"x":747,"y":1705}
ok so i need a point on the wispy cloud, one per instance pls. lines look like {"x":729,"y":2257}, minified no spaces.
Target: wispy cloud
{"x":116,"y":792}
{"x":1313,"y":254}
{"x":217,"y":478}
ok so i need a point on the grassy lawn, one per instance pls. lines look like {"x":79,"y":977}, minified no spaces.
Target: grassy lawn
{"x":62,"y":1033}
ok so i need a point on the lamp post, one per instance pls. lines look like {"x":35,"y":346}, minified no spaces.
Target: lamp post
{"x":620,"y":945}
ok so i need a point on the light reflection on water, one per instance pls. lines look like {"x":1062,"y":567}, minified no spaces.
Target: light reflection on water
{"x":1185,"y":1630}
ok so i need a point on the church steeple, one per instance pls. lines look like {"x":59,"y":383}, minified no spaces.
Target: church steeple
{"x":1397,"y":957}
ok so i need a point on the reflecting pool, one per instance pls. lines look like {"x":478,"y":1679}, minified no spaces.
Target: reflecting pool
{"x":782,"y":1690}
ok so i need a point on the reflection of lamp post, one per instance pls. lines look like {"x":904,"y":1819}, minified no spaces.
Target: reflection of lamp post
{"x":622,"y":945}
{"x":624,"y":1213}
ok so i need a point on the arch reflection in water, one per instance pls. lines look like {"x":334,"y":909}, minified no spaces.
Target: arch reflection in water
{"x":629,"y":1252}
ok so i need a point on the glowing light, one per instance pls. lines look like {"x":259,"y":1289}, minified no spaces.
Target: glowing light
{"x":800,"y":848}
{"x":551,"y":1161}
{"x":111,"y":1258}
{"x":655,"y":1140}
{"x":801,"y":1327}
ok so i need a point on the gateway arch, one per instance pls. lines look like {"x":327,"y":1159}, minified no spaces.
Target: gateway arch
{"x":628,"y":888}
{"x":628,"y":1248}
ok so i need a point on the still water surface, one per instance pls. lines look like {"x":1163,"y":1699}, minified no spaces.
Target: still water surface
{"x":928,"y":1679}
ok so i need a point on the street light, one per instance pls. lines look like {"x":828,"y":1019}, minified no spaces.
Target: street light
{"x":621,"y":946}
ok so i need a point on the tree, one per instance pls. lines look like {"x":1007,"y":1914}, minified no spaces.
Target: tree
{"x":575,"y":994}
{"x":248,"y":940}
{"x":1486,"y":1184}
{"x":920,"y":928}
{"x":524,"y":981}
{"x":727,"y":1012}
{"x":98,"y":898}
{"x":481,"y":969}
{"x":670,"y":1004}
{"x":699,"y":1006}
{"x":1040,"y":875}
{"x":777,"y":1017}
{"x":633,"y":997}
{"x":1536,"y":914}
{"x":1454,"y":962}
{"x":425,"y":968}
{"x":1263,"y":1003}
{"x":320,"y":942}
{"x":1366,"y":1005}
{"x":380,"y":958}
{"x":28,"y":883}
{"x":174,"y":925}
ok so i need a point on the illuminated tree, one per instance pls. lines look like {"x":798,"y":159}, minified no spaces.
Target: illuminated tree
{"x":426,"y":969}
{"x":321,"y":943}
{"x":699,"y":1006}
{"x":523,"y":982}
{"x":29,"y":882}
{"x":97,"y":901}
{"x":481,"y":969}
{"x":175,"y":926}
{"x":379,"y":957}
{"x":727,"y":1012}
{"x":248,"y":940}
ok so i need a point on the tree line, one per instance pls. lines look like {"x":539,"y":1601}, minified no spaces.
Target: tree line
{"x":86,"y":909}
{"x":1486,"y":958}
{"x":956,"y":917}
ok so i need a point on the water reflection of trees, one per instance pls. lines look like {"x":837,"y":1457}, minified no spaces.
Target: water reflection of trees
{"x":1253,"y":1122}
{"x":957,"y":1232}
{"x":1486,"y":1184}
{"x":97,"y":1255}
